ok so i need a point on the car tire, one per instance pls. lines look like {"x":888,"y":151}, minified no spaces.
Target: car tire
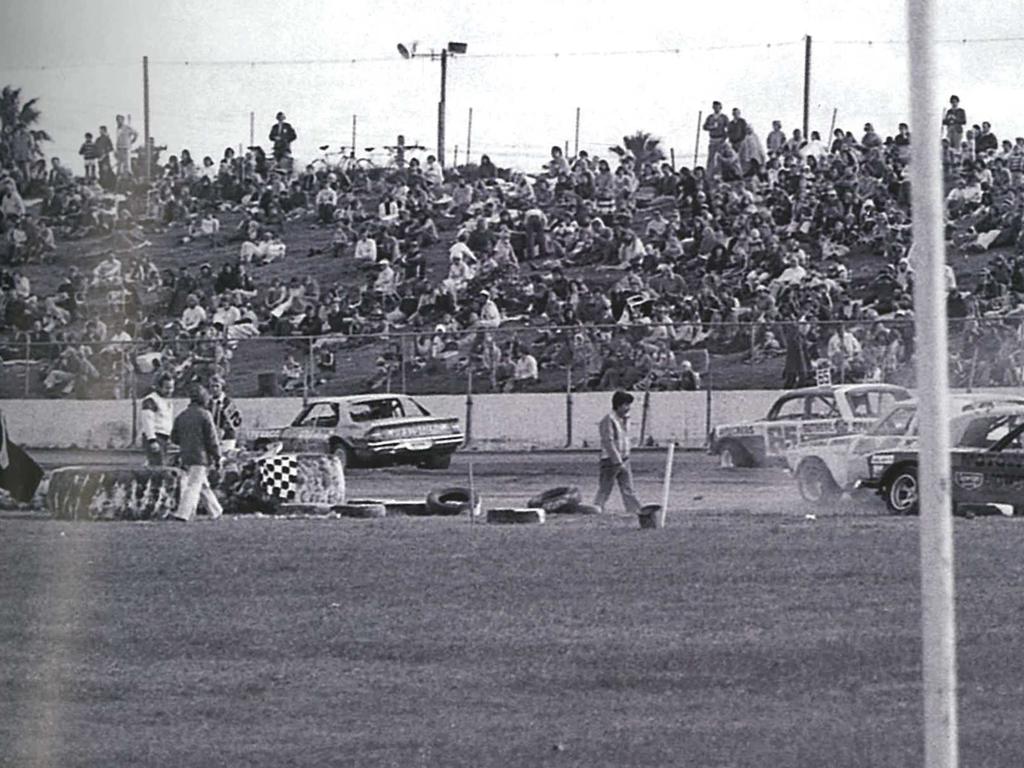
{"x":732,"y":454}
{"x":815,"y":482}
{"x":451,"y":501}
{"x":562,"y":500}
{"x":901,"y":492}
{"x":344,"y":453}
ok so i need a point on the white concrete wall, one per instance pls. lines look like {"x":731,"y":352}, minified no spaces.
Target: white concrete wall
{"x":513,"y":421}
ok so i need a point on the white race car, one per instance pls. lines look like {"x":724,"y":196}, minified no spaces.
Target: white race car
{"x":827,"y":468}
{"x":804,"y":415}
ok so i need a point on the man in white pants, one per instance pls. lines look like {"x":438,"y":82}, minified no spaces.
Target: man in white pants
{"x":194,"y":432}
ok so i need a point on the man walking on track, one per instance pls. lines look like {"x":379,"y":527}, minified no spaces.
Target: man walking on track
{"x":196,"y":434}
{"x":614,"y":432}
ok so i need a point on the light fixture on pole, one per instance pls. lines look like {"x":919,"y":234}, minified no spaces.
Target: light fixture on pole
{"x":409,"y":52}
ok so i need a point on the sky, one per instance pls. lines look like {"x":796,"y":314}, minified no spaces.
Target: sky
{"x":529,"y":66}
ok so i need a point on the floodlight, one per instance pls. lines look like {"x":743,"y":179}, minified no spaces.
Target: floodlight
{"x":404,"y":51}
{"x":457,"y":47}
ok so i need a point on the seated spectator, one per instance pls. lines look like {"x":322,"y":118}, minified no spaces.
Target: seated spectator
{"x":193,"y":315}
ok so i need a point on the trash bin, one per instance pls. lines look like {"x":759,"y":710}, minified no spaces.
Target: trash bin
{"x":650,"y":516}
{"x":266,"y":384}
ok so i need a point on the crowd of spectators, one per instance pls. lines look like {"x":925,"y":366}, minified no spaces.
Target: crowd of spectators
{"x":617,"y":271}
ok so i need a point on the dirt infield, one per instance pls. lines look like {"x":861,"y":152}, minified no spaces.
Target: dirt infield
{"x":742,"y":634}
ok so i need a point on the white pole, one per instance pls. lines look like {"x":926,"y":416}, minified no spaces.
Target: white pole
{"x":472,"y":493}
{"x":666,"y":485}
{"x":938,"y":618}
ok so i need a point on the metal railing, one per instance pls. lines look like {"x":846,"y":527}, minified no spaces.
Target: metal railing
{"x":984,"y":352}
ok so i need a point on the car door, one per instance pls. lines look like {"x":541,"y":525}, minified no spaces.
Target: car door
{"x":782,"y":430}
{"x":992,"y":474}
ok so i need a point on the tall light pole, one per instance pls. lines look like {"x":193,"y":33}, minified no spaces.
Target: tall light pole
{"x":452,"y":48}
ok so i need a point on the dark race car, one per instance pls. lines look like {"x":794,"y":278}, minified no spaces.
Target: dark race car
{"x":369,"y":430}
{"x":987,"y":465}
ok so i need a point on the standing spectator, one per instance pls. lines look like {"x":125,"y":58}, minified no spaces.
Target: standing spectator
{"x":124,"y":138}
{"x":196,"y":434}
{"x":985,"y":141}
{"x":282,"y":134}
{"x":955,"y":119}
{"x":736,"y":129}
{"x":614,"y":466}
{"x":717,"y":126}
{"x":156,"y":420}
{"x":775,"y":140}
{"x":104,"y":148}
{"x":225,"y":413}
{"x":90,"y":157}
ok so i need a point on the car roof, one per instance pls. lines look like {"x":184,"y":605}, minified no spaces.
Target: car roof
{"x":832,"y":389}
{"x":356,"y":398}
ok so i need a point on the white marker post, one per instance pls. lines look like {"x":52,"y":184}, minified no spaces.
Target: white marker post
{"x":938,"y":619}
{"x":472,"y":493}
{"x":666,"y":486}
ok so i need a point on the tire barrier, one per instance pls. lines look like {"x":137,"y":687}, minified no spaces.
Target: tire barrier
{"x":261,"y":482}
{"x":452,"y":501}
{"x":563,"y":500}
{"x":363,"y":509}
{"x":651,"y":516}
{"x":124,"y":493}
{"x":303,"y":510}
{"x":511,"y":516}
{"x":587,"y":509}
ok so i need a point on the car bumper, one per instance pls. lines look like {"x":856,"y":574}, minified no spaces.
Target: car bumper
{"x":413,"y":446}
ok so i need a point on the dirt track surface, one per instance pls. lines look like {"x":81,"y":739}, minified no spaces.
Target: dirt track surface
{"x":510,"y":479}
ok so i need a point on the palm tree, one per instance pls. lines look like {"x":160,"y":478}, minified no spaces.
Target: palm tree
{"x":13,"y":113}
{"x":643,"y":147}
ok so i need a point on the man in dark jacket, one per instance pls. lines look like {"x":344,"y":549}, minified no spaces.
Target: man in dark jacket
{"x":195,"y":433}
{"x":282,"y":134}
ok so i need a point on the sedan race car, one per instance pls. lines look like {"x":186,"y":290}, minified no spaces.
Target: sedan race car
{"x":987,"y":464}
{"x":824,"y":469}
{"x":369,"y":430}
{"x":803,"y":415}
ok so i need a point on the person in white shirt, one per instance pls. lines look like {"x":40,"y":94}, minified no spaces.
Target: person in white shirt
{"x":388,"y":209}
{"x":459,"y":248}
{"x":490,"y":315}
{"x":433,"y":174}
{"x":193,"y":314}
{"x":366,"y":248}
{"x":386,"y":282}
{"x":524,"y":372}
{"x":156,"y":419}
{"x":326,"y":203}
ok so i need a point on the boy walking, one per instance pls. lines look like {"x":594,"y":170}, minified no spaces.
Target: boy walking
{"x":614,"y":432}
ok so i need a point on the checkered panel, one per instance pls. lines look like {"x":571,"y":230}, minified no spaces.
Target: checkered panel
{"x":279,"y":476}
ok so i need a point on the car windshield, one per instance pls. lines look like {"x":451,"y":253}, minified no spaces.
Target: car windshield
{"x":318,"y":415}
{"x":1004,"y":429}
{"x":896,"y":423}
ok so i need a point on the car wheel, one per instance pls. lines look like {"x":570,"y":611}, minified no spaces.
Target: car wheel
{"x":815,"y":482}
{"x":733,"y":455}
{"x":901,"y":492}
{"x":344,"y":453}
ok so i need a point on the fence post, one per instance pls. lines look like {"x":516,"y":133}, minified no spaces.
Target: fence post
{"x":309,"y":372}
{"x":28,"y":365}
{"x":644,"y":414}
{"x":568,"y":405}
{"x":401,"y":359}
{"x":469,"y":405}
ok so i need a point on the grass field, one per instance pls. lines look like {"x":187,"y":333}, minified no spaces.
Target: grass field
{"x":722,"y":640}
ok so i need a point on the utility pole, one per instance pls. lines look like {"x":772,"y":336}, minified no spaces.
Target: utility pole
{"x":441,"y":107}
{"x":469,"y":138}
{"x":807,"y":87}
{"x":252,"y":129}
{"x":576,"y":146}
{"x":353,"y":135}
{"x":147,"y":150}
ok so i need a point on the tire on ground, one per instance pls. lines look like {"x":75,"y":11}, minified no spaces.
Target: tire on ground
{"x":515,"y":516}
{"x":587,"y":509}
{"x":732,"y":454}
{"x":452,"y":501}
{"x":562,"y":500}
{"x":123,"y":493}
{"x":360,"y":508}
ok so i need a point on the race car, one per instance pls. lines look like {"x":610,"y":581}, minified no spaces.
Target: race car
{"x":368,"y":430}
{"x":824,"y":469}
{"x":987,"y":462}
{"x":800,"y":416}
